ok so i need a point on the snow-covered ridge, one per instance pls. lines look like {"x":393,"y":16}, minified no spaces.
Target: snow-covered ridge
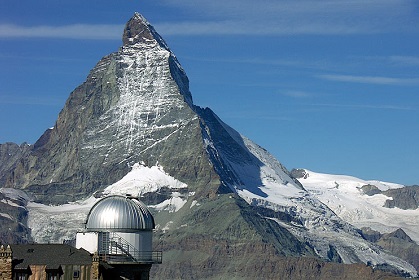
{"x":265,"y":182}
{"x":344,"y":196}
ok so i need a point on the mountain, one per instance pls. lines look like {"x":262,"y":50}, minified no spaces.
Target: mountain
{"x":366,"y":203}
{"x":386,"y":213}
{"x":224,"y":207}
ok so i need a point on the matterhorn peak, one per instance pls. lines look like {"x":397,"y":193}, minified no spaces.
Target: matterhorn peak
{"x":139,"y":30}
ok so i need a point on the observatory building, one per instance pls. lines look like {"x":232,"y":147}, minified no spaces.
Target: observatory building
{"x":119,"y":229}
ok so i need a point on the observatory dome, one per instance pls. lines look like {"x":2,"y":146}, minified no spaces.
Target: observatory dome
{"x":119,"y":213}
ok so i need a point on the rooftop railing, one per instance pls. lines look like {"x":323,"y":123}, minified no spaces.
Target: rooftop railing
{"x":115,"y":249}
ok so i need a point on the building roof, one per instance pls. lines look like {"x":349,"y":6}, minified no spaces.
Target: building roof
{"x":51,"y":255}
{"x":119,"y":213}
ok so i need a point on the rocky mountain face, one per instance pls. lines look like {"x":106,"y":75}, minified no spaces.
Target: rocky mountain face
{"x":13,"y":214}
{"x":405,"y":198}
{"x":243,"y":215}
{"x":134,"y":106}
{"x":13,"y":217}
{"x":397,"y":242}
{"x":10,"y":155}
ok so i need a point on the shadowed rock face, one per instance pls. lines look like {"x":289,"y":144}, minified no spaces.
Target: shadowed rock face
{"x":401,"y":245}
{"x":137,"y":31}
{"x":13,"y":217}
{"x":10,"y":155}
{"x":370,"y":190}
{"x":404,"y":198}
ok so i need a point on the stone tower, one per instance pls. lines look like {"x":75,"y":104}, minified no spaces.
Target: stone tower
{"x":5,"y":263}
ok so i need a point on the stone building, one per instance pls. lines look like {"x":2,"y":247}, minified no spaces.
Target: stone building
{"x":5,"y":263}
{"x":46,"y":261}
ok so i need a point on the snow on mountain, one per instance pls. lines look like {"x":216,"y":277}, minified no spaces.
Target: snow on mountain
{"x":263,"y":181}
{"x":148,"y":108}
{"x":143,"y":179}
{"x":313,"y":209}
{"x":344,"y":196}
{"x":56,"y":223}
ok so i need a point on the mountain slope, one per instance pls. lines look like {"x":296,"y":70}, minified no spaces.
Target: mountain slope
{"x":223,"y":205}
{"x":362,"y":203}
{"x":201,"y":238}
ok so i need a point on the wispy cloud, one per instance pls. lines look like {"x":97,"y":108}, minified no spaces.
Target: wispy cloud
{"x":261,"y":28}
{"x":74,"y":31}
{"x":249,"y":17}
{"x":284,"y":17}
{"x":296,"y":94}
{"x":405,"y":60}
{"x":371,"y":80}
{"x":183,"y":28}
{"x":366,"y":106}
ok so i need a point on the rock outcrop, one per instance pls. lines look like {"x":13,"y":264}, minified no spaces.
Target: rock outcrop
{"x":404,"y":198}
{"x":13,"y":217}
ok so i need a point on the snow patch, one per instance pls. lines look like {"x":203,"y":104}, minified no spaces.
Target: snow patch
{"x":172,"y":204}
{"x":7,"y":216}
{"x":167,"y":226}
{"x":194,"y":203}
{"x":143,"y":179}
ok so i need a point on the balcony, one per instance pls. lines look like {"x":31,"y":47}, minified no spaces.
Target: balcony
{"x":145,"y":257}
{"x":114,"y":249}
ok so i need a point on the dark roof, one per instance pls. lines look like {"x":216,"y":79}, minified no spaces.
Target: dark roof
{"x":51,"y":255}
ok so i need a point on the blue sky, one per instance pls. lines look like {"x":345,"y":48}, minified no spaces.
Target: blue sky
{"x":332,"y":86}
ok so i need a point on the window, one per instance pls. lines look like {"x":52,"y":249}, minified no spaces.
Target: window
{"x":53,"y":276}
{"x":21,"y":276}
{"x":76,"y":274}
{"x":54,"y":273}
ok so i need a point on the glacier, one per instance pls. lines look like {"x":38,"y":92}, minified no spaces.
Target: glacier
{"x":343,"y":195}
{"x":265,"y":182}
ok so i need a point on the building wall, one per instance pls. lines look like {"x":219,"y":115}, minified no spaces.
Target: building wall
{"x":142,"y":241}
{"x":99,"y":242}
{"x":39,"y":272}
{"x":84,"y":272}
{"x":93,"y":271}
{"x":5,"y":263}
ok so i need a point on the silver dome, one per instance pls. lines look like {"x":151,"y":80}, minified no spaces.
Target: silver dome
{"x":119,"y":213}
